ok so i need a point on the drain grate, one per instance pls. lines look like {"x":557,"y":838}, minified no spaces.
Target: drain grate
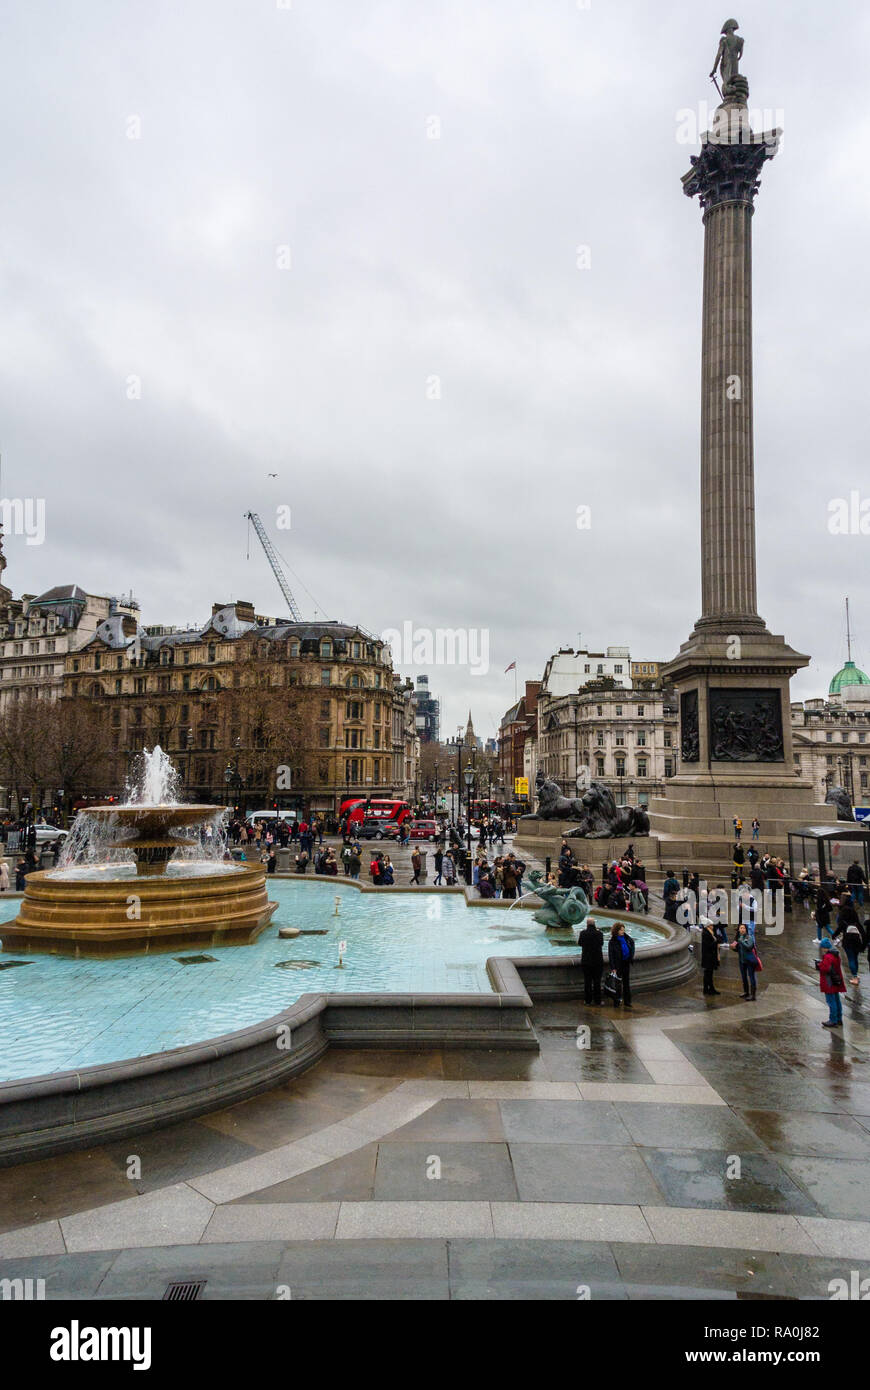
{"x":296,"y":964}
{"x":11,"y":964}
{"x":314,"y":931}
{"x":184,"y":1290}
{"x":194,"y":960}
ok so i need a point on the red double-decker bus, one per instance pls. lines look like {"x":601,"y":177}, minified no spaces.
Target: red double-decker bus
{"x":360,"y":808}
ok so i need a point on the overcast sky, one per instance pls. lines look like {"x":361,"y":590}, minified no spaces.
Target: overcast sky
{"x":269,"y":134}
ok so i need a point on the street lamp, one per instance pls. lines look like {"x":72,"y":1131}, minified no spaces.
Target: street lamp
{"x":469,"y":783}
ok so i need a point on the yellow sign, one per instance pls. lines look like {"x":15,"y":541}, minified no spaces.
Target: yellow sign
{"x":521,"y":786}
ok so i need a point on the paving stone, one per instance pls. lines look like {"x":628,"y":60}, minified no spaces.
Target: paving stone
{"x":272,"y":1221}
{"x":173,"y":1216}
{"x":171,"y":1155}
{"x":802,"y":1132}
{"x":562,"y":1122}
{"x":532,"y":1269}
{"x":350,"y":1178}
{"x":699,"y":1178}
{"x":469,"y":1172}
{"x":523,"y":1090}
{"x":686,"y":1272}
{"x":589,"y":1221}
{"x":45,"y":1238}
{"x":687,"y":1127}
{"x":66,"y":1276}
{"x":239,"y":1271}
{"x":731,"y":1229}
{"x":457,"y":1120}
{"x":413,"y":1220}
{"x":582,"y":1173}
{"x":832,"y":1183}
{"x":366,"y":1269}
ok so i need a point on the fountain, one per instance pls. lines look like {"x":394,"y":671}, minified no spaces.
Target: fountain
{"x":175,"y":892}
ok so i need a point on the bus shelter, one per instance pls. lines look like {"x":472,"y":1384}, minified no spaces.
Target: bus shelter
{"x":827,"y":851}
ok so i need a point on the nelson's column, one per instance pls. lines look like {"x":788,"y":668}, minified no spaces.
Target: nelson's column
{"x":732,"y":675}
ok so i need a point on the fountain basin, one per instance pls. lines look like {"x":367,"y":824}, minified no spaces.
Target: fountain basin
{"x":148,"y":830}
{"x":116,"y":915}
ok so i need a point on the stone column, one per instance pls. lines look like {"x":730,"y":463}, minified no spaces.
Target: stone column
{"x":725,"y":179}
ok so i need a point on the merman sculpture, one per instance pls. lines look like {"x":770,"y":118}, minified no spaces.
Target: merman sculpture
{"x":565,"y":907}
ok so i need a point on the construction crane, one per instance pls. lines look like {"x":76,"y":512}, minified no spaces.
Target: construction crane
{"x":276,"y":568}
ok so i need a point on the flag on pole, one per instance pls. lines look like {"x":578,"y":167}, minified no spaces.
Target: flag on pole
{"x":512,"y":667}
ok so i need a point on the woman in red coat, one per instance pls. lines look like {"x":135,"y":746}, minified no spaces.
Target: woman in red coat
{"x":831,"y":982}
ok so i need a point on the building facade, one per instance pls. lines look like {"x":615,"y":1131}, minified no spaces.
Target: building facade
{"x":428,"y":712}
{"x":623,"y":737}
{"x":254,"y":712}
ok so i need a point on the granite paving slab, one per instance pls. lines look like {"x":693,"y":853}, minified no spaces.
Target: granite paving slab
{"x":582,"y":1173}
{"x":699,"y":1178}
{"x":469,"y":1172}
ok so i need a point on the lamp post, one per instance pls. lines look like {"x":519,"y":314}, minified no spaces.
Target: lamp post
{"x":469,"y":784}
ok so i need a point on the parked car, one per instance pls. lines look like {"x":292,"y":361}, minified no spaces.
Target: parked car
{"x":377,"y":830}
{"x":424,"y":830}
{"x":269,"y":819}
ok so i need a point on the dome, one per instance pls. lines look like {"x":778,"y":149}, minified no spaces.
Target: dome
{"x":850,"y":675}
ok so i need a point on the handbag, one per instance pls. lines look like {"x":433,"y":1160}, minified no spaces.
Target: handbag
{"x":757,"y":958}
{"x":613,"y":986}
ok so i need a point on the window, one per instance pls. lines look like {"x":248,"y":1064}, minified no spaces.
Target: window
{"x":599,"y":709}
{"x":620,"y":767}
{"x":600,"y":670}
{"x":669,"y":767}
{"x":830,"y":762}
{"x":98,"y":659}
{"x":49,"y":646}
{"x":377,"y":738}
{"x":18,"y":649}
{"x":187,"y":658}
{"x":75,"y":665}
{"x":669,"y":739}
{"x":641,"y":738}
{"x":185,"y":713}
{"x":212,"y":651}
{"x":640,"y":711}
{"x":377,"y":771}
{"x":377,"y":680}
{"x":619,"y":711}
{"x":139,"y":685}
{"x":352,"y":738}
{"x":325,"y":649}
{"x":829,"y":738}
{"x":185,"y":681}
{"x":863,"y":781}
{"x":294,"y":651}
{"x":164,"y":683}
{"x":325,"y":709}
{"x":377,"y":713}
{"x":617,"y":670}
{"x":353,"y":709}
{"x":119,"y":662}
{"x":619,"y":740}
{"x":355,"y":650}
{"x":117,"y":687}
{"x":599,"y":767}
{"x":353,"y":682}
{"x":600,"y":740}
{"x":211,"y":684}
{"x":641,"y":767}
{"x":587,"y":670}
{"x":324,"y":736}
{"x":326,"y":677}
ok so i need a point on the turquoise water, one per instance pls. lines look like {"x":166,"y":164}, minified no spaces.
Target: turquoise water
{"x":59,"y":1013}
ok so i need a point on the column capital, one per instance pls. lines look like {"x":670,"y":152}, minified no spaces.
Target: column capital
{"x":728,"y":170}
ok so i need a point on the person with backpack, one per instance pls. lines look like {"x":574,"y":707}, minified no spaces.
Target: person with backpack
{"x":831,"y":982}
{"x":853,"y":934}
{"x":376,"y":870}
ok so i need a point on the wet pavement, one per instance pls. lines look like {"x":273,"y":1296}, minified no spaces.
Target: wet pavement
{"x":693,"y":1147}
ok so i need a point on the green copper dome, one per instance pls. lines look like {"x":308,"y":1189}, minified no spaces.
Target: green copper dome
{"x":850,"y":675}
